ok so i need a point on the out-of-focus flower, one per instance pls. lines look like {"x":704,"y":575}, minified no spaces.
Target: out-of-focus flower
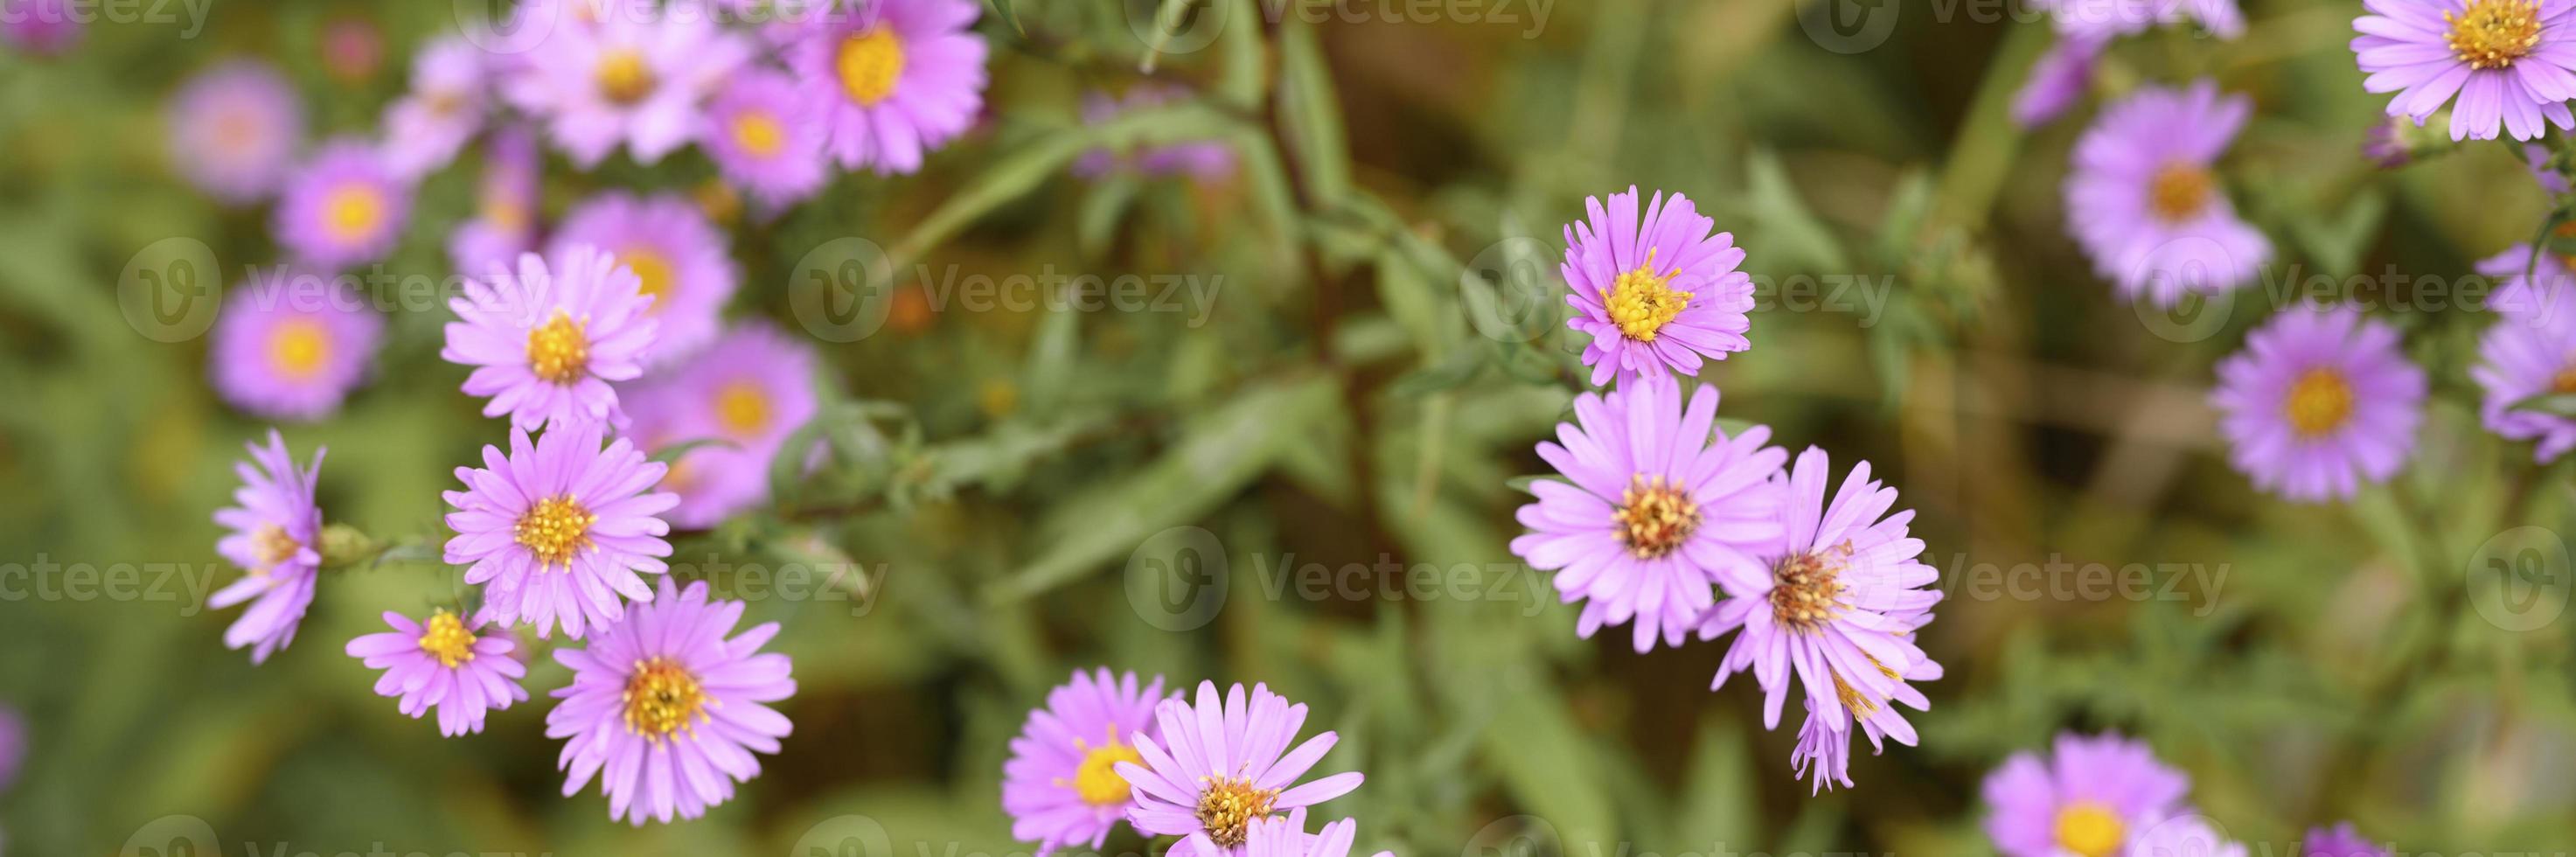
{"x":2341,"y":840}
{"x":763,"y":136}
{"x":547,"y":341}
{"x":2105,"y":19}
{"x":2057,"y":81}
{"x":441,"y":662}
{"x":2089,"y":799}
{"x":894,"y":80}
{"x":1206,"y":160}
{"x":424,"y":130}
{"x":13,"y":745}
{"x":749,"y":390}
{"x":1215,"y":767}
{"x":1657,"y":292}
{"x":2145,"y":202}
{"x":2530,"y":351}
{"x":558,"y":530}
{"x":2319,"y":401}
{"x":506,"y":200}
{"x":1657,"y":506}
{"x":346,"y":207}
{"x":42,"y":27}
{"x":353,"y":49}
{"x":678,"y":257}
{"x":2511,"y":64}
{"x":667,"y":706}
{"x":2537,"y":157}
{"x":291,"y":344}
{"x":233,"y":130}
{"x":636,"y":79}
{"x":273,"y":532}
{"x":1286,"y":836}
{"x":1061,"y":785}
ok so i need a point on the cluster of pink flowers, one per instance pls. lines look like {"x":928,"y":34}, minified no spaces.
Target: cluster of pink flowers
{"x":2108,"y":796}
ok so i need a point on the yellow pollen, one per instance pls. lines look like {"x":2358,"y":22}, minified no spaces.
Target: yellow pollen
{"x":759,"y":133}
{"x":2089,"y":828}
{"x":297,"y":346}
{"x":2319,"y":402}
{"x":558,"y":351}
{"x":661,"y":698}
{"x":1654,"y":518}
{"x":2494,"y":33}
{"x":869,"y":64}
{"x":1228,"y":806}
{"x":655,"y":270}
{"x":271,"y":545}
{"x":1806,"y":590}
{"x":1642,"y":302}
{"x":556,"y":528}
{"x":352,"y":210}
{"x":1096,"y":780}
{"x":2180,"y":191}
{"x":742,"y":407}
{"x":445,"y":638}
{"x":1859,"y":704}
{"x":2564,"y":381}
{"x":623,"y":77}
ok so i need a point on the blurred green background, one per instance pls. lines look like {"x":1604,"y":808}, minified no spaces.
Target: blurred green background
{"x":1367,"y":382}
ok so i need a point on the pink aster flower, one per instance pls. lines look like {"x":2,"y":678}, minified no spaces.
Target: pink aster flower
{"x":2091,"y":798}
{"x":424,"y":130}
{"x":1657,"y":506}
{"x":2529,"y":287}
{"x":667,"y":706}
{"x":234,"y":129}
{"x":559,"y":529}
{"x":763,"y":137}
{"x":749,"y":390}
{"x":630,"y":78}
{"x":505,"y":198}
{"x":291,"y":345}
{"x":275,"y":533}
{"x":1216,"y":767}
{"x":2319,"y":401}
{"x":42,"y":27}
{"x":1205,"y":160}
{"x":1654,"y":293}
{"x":442,"y":662}
{"x":894,"y":80}
{"x":2103,"y":19}
{"x":546,"y":342}
{"x":1286,"y":836}
{"x":13,"y":745}
{"x":2507,"y":62}
{"x":2144,"y":201}
{"x":345,"y":207}
{"x":2340,"y":840}
{"x":2529,"y":353}
{"x":1823,"y":752}
{"x":678,"y":257}
{"x":2057,"y":81}
{"x":1834,"y":603}
{"x":1061,"y":786}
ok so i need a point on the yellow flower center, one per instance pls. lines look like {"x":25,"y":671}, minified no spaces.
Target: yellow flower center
{"x":445,"y":638}
{"x":869,"y":63}
{"x":2494,"y":33}
{"x":2319,"y":402}
{"x":503,"y":213}
{"x":558,"y":351}
{"x":297,"y":346}
{"x":742,"y":407}
{"x":1642,"y":302}
{"x":661,"y":698}
{"x":2564,"y":381}
{"x":1096,"y":780}
{"x":271,"y":545}
{"x":2089,"y":828}
{"x":655,"y":270}
{"x":2179,"y":191}
{"x":351,"y":211}
{"x":759,"y":133}
{"x":554,"y":529}
{"x":1653,"y":517}
{"x":623,"y":77}
{"x":1806,"y":589}
{"x":1228,"y":807}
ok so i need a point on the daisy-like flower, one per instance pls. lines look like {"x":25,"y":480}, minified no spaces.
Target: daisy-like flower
{"x":1061,"y":785}
{"x":291,"y":345}
{"x":2143,"y":200}
{"x":678,"y":257}
{"x":2089,"y":799}
{"x":2530,"y":351}
{"x":558,"y":530}
{"x":2057,"y":81}
{"x":2103,"y":19}
{"x":750,"y":390}
{"x":632,"y":78}
{"x":1205,"y":160}
{"x":763,"y":138}
{"x":442,"y":662}
{"x":424,"y":130}
{"x":894,"y":79}
{"x":546,"y":342}
{"x":505,"y":198}
{"x":1286,"y":836}
{"x":1657,"y":506}
{"x":2319,"y":401}
{"x":667,"y":706}
{"x":1655,"y":292}
{"x":344,"y":208}
{"x":1834,"y":602}
{"x":275,"y":533}
{"x":234,"y":129}
{"x":2508,"y":62}
{"x":1823,"y":752}
{"x":2340,"y":840}
{"x":1214,"y":768}
{"x":42,"y":27}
